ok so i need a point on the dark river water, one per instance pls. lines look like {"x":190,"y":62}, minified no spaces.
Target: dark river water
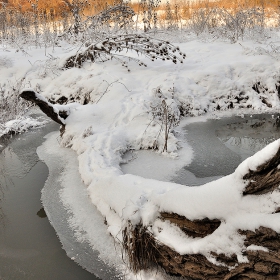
{"x":220,"y":145}
{"x":29,"y":247}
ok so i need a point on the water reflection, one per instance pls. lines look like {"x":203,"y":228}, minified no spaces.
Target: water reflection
{"x":41,"y":213}
{"x":241,"y":137}
{"x":29,"y":247}
{"x":250,"y":136}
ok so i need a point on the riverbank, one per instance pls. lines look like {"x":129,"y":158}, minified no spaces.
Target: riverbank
{"x":33,"y":118}
{"x":123,"y":111}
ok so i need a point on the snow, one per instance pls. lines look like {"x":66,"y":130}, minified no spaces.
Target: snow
{"x":152,"y":165}
{"x":221,"y":199}
{"x":257,"y":248}
{"x":21,"y":125}
{"x":118,"y":120}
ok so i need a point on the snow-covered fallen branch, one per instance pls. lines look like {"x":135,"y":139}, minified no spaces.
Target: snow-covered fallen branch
{"x":45,"y":106}
{"x":112,"y":48}
{"x":56,"y":112}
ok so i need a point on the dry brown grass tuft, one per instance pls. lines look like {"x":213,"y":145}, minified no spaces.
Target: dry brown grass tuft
{"x":140,"y":247}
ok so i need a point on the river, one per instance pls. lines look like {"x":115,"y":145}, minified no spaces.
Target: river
{"x":29,"y":246}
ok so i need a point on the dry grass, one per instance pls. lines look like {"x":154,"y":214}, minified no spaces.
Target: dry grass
{"x":187,"y":9}
{"x":140,"y":247}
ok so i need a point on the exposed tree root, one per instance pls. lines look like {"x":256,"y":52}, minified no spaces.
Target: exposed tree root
{"x":140,"y":247}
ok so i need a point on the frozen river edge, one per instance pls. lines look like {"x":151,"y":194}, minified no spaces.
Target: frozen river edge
{"x":65,"y":194}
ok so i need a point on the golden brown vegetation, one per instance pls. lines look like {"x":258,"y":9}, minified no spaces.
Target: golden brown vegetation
{"x":228,"y":19}
{"x":185,"y":7}
{"x":56,"y":6}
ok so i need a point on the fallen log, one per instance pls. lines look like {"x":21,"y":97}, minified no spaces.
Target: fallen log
{"x":49,"y":109}
{"x":265,"y":179}
{"x":261,"y":246}
{"x":196,"y":228}
{"x":261,"y":265}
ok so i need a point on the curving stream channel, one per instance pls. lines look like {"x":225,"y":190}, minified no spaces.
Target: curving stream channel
{"x":29,"y":247}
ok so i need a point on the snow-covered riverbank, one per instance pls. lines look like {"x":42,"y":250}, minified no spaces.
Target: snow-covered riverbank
{"x":216,"y":79}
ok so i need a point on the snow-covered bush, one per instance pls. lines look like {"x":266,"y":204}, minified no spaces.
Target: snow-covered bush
{"x":11,"y":106}
{"x":120,"y":16}
{"x":171,"y":17}
{"x":113,"y":46}
{"x":149,"y":14}
{"x":222,"y":23}
{"x":111,"y":19}
{"x":90,"y":20}
{"x":77,"y":7}
{"x":165,"y":112}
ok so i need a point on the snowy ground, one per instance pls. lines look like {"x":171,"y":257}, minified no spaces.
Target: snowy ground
{"x":216,"y":79}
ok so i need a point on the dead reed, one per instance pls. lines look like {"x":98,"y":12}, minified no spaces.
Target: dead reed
{"x":140,"y":247}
